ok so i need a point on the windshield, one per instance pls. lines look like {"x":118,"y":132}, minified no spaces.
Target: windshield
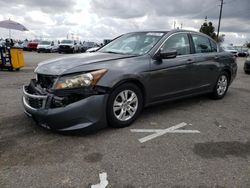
{"x":45,"y":42}
{"x":230,"y":48}
{"x":89,"y":44}
{"x":133,"y":43}
{"x":67,"y":41}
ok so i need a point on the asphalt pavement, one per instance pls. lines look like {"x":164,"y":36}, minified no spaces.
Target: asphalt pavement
{"x":197,"y":142}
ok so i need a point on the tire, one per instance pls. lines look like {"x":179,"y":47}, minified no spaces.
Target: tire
{"x":125,"y":112}
{"x":247,"y":72}
{"x":221,"y":87}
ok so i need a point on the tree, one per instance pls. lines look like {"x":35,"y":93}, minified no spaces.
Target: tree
{"x":220,"y":39}
{"x":208,"y":29}
{"x":247,"y":44}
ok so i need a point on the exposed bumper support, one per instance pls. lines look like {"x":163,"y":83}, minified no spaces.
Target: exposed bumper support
{"x":86,"y":113}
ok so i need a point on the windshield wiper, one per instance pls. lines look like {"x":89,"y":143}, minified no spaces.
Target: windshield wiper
{"x":112,"y":52}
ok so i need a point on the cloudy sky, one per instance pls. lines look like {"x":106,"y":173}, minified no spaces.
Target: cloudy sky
{"x":95,"y":20}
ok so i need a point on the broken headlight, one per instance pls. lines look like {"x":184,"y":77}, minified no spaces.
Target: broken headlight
{"x":79,"y":80}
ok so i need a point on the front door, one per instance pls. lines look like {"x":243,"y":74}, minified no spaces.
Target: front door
{"x":171,"y":77}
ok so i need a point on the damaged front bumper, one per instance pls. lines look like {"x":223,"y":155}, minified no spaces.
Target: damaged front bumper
{"x":54,"y":112}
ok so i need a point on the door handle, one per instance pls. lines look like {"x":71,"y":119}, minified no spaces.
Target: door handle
{"x":216,"y":57}
{"x":190,"y":61}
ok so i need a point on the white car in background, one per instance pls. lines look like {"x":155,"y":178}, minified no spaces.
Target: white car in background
{"x":69,"y":46}
{"x":47,"y":46}
{"x":231,"y":49}
{"x":2,"y":43}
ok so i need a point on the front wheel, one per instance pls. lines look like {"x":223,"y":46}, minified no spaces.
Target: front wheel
{"x":221,"y":86}
{"x":124,"y":105}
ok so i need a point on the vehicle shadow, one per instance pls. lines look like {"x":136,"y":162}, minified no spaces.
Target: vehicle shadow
{"x":180,"y":104}
{"x":184,"y":104}
{"x":165,"y":107}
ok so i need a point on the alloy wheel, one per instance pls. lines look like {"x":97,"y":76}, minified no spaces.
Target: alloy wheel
{"x":125,"y":105}
{"x":222,"y":85}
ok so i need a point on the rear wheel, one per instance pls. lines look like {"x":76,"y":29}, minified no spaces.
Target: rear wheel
{"x":124,"y":105}
{"x":221,"y":86}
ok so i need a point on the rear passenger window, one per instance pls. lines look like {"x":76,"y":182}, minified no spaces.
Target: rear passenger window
{"x":214,"y":46}
{"x":178,"y":42}
{"x":201,"y":44}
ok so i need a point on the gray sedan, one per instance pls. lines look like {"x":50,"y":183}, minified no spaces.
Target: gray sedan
{"x":112,"y":85}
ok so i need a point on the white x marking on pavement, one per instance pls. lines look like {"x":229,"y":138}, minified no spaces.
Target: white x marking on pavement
{"x":160,"y":132}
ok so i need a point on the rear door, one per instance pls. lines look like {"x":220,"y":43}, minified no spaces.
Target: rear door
{"x":206,"y":66}
{"x":171,"y":77}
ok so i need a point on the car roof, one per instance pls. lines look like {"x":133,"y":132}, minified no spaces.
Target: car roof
{"x":171,"y":31}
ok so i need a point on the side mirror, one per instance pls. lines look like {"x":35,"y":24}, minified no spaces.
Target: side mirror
{"x":167,"y":54}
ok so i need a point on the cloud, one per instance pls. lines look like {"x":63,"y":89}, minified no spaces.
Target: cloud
{"x":46,"y":6}
{"x":100,"y":19}
{"x":119,"y":9}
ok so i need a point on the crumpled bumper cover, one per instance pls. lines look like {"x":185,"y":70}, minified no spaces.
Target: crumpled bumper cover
{"x":86,"y":113}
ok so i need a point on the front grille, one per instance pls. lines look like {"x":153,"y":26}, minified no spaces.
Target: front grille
{"x":64,"y":47}
{"x":46,"y":81}
{"x":35,"y":103}
{"x":33,"y":100}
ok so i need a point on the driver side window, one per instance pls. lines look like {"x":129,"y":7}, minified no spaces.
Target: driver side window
{"x":178,"y":42}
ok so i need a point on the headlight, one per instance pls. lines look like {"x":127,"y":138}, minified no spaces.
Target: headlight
{"x":80,"y":80}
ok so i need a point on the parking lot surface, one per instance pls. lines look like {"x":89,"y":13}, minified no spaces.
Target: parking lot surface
{"x":215,"y":153}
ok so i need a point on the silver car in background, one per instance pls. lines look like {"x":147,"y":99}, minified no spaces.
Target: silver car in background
{"x":47,"y":46}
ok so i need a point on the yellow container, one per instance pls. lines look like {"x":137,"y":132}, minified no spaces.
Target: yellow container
{"x":17,"y":59}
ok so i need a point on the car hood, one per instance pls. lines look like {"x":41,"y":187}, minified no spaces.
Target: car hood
{"x":60,"y":66}
{"x":43,"y":45}
{"x":66,"y":44}
{"x":227,"y":50}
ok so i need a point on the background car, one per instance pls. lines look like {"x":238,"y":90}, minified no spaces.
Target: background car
{"x":2,"y":42}
{"x":18,"y":44}
{"x":69,"y":46}
{"x":231,"y":50}
{"x":47,"y":46}
{"x":243,"y":52}
{"x":247,"y":66}
{"x":25,"y":45}
{"x":87,"y":45}
{"x":32,"y":45}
